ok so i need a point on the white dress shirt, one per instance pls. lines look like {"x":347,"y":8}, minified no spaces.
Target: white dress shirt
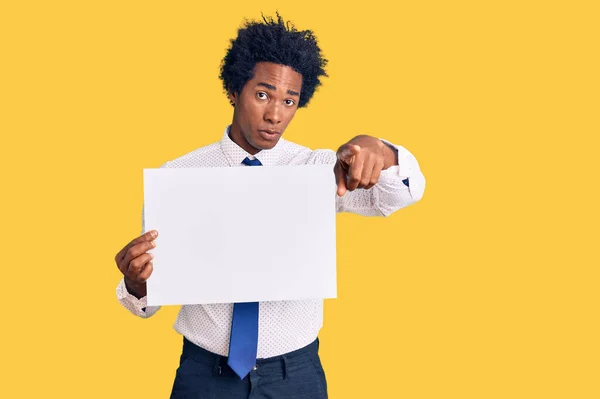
{"x":284,"y":326}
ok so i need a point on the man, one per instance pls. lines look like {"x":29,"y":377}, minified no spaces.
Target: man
{"x":269,"y":349}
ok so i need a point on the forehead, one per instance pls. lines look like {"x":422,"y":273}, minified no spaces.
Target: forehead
{"x":281,"y":76}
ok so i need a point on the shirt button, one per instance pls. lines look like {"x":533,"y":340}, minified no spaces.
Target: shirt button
{"x":255,"y":367}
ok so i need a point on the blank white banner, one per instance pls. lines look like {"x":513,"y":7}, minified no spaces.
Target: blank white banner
{"x":241,"y":234}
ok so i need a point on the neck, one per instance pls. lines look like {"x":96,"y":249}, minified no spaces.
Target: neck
{"x":236,"y":135}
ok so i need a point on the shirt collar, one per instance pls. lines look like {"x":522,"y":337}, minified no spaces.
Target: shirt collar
{"x":236,"y":154}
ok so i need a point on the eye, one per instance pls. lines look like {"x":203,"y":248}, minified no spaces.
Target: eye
{"x":261,"y":95}
{"x":290,"y":103}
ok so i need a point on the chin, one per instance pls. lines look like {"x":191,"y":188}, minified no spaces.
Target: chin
{"x":269,"y":146}
{"x":265,"y":144}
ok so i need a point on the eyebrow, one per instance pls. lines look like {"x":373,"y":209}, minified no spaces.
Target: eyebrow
{"x":271,"y":87}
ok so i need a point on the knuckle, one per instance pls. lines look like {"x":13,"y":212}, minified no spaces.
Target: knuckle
{"x":135,"y":265}
{"x":135,"y":251}
{"x":130,"y":252}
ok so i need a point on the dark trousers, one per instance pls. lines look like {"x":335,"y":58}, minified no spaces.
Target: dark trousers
{"x":206,"y":375}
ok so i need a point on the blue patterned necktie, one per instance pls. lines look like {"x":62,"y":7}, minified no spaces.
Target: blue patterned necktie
{"x":243,"y":342}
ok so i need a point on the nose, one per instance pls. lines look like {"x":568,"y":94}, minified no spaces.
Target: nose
{"x":273,"y":114}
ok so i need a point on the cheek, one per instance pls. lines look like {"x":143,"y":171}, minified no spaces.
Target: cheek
{"x":253,"y":113}
{"x":290,"y":116}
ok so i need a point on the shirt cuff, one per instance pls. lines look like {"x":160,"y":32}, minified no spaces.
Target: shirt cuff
{"x":124,"y":296}
{"x":391,"y":175}
{"x":407,"y":170}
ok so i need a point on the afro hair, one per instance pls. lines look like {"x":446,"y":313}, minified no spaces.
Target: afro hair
{"x":278,"y":42}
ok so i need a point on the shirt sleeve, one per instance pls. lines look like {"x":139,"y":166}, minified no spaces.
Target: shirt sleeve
{"x":136,"y":306}
{"x":398,"y":186}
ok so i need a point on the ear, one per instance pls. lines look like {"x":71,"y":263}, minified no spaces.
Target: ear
{"x":232,"y":97}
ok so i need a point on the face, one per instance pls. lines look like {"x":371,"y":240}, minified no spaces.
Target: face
{"x":265,"y":106}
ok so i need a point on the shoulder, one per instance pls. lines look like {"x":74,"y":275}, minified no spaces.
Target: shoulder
{"x":199,"y":157}
{"x":294,"y":149}
{"x":298,"y":154}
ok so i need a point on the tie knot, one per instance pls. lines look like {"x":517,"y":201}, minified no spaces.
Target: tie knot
{"x":251,"y":162}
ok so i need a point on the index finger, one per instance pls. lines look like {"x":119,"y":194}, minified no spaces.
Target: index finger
{"x":347,"y":151}
{"x":147,"y":236}
{"x":354,"y":173}
{"x":340,"y":179}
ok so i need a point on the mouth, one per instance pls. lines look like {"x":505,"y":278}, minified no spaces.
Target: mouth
{"x":269,"y":134}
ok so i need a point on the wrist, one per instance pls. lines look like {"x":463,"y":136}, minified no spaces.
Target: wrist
{"x":138,"y":290}
{"x":391,"y":155}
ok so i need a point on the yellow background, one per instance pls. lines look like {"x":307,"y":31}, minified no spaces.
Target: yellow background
{"x":487,"y":288}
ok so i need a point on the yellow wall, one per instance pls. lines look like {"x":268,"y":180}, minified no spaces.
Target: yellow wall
{"x":487,"y":288}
